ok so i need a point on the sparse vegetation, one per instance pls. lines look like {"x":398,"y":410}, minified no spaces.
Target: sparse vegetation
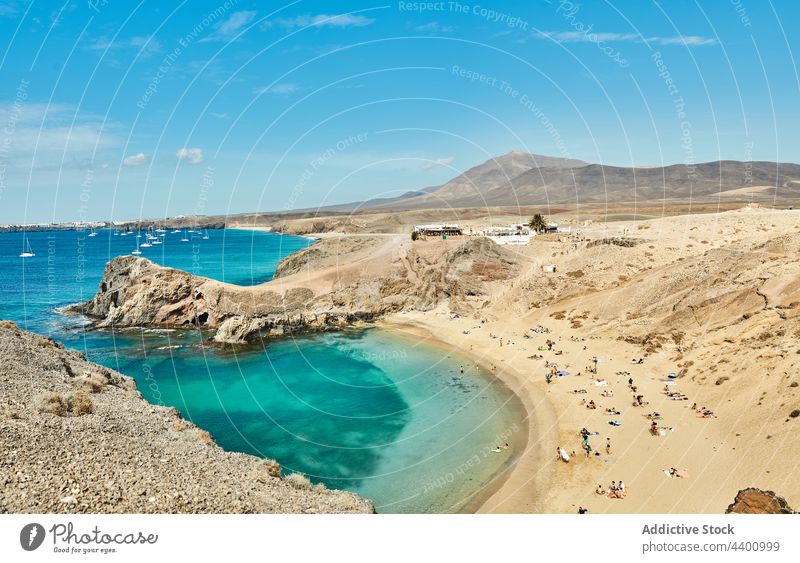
{"x":204,"y":437}
{"x":79,"y":403}
{"x":74,"y":404}
{"x":51,"y":403}
{"x":95,"y":382}
{"x":299,"y":481}
{"x":273,"y":468}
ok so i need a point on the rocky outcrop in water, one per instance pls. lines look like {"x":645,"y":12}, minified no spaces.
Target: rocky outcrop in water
{"x":78,"y":438}
{"x":136,"y":292}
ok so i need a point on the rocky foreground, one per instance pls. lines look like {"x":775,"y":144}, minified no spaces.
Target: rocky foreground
{"x":78,"y":438}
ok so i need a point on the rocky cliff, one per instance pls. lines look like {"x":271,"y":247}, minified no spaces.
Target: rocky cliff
{"x":332,"y":285}
{"x":77,"y":437}
{"x":135,"y":292}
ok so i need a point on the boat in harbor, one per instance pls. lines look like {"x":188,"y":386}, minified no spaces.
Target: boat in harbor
{"x":27,"y":251}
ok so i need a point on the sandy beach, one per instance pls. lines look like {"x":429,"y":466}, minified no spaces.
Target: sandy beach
{"x":540,"y":483}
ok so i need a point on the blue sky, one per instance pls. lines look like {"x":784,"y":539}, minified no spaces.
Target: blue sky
{"x":120,"y":110}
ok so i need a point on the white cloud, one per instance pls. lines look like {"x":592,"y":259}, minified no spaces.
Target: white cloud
{"x":48,"y":136}
{"x":146,"y":44}
{"x":229,"y":28}
{"x":137,"y":159}
{"x":325,"y":20}
{"x":435,"y":163}
{"x":691,"y":40}
{"x":190,"y":156}
{"x":434,"y":27}
{"x":279,"y":89}
{"x":610,"y":37}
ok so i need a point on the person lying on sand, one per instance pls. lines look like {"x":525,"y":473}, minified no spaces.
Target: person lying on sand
{"x":654,"y":416}
{"x":579,"y":391}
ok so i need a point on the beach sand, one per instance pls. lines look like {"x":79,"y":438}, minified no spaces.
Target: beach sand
{"x":540,"y":483}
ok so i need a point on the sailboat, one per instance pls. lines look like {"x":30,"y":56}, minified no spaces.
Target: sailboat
{"x":137,"y":252}
{"x":93,"y":233}
{"x":205,"y":235}
{"x":184,"y":239}
{"x":27,"y":251}
{"x":145,"y":244}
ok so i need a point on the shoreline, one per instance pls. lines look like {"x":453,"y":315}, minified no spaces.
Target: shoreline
{"x":519,"y":486}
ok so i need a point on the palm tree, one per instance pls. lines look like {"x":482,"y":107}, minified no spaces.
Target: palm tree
{"x":538,"y":223}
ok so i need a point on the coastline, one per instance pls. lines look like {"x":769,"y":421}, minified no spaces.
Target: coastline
{"x":521,"y":485}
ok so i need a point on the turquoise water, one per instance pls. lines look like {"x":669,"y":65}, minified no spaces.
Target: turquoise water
{"x":362,"y":410}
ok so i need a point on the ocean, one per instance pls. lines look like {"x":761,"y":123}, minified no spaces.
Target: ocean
{"x":363,"y":410}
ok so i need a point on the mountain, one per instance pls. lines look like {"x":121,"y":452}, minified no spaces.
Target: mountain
{"x":527,"y":179}
{"x":496,"y":172}
{"x":470,"y":186}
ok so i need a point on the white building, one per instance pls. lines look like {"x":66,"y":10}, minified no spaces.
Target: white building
{"x":517,"y":233}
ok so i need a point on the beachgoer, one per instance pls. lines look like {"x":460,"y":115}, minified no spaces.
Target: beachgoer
{"x":582,"y":510}
{"x":608,"y":446}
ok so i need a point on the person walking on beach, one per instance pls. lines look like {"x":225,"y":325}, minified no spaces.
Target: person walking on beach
{"x":608,"y":446}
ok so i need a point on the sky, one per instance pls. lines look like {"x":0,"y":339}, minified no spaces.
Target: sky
{"x":122,"y":110}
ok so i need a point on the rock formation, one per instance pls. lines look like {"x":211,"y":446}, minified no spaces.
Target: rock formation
{"x":756,"y":501}
{"x":77,"y":437}
{"x":314,"y":292}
